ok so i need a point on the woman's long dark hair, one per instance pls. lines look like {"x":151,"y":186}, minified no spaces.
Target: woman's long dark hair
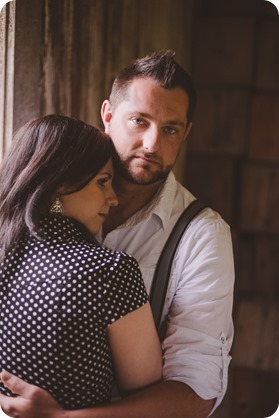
{"x":45,"y":153}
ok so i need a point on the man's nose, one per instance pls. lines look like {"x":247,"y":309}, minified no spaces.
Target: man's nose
{"x":151,"y":139}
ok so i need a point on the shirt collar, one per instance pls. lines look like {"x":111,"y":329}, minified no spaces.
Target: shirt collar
{"x":165,"y":199}
{"x":61,"y":229}
{"x":160,"y":206}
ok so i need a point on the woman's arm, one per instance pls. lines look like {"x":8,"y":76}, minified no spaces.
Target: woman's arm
{"x":136,"y":350}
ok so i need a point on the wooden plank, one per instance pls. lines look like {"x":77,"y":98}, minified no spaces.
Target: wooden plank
{"x":27,"y":64}
{"x":7,"y":42}
{"x":269,"y":358}
{"x":220,"y":45}
{"x":57,"y":65}
{"x":266,"y":266}
{"x":259,"y":199}
{"x":211,"y":179}
{"x":264,"y":128}
{"x":221,"y":122}
{"x":121,"y":47}
{"x":244,"y":256}
{"x":3,"y":51}
{"x":248,"y":333}
{"x":256,"y":343}
{"x":89,"y":63}
{"x":254,"y":393}
{"x":171,"y":29}
{"x":257,"y":265}
{"x":257,"y":8}
{"x":268,"y":56}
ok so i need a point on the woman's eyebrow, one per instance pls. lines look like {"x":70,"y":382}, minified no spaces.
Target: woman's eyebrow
{"x":104,"y":173}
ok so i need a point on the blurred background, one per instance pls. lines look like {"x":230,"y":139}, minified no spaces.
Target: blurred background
{"x":61,"y":56}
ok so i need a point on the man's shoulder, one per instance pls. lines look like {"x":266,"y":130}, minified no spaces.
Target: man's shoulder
{"x":210,"y":215}
{"x":172,"y":200}
{"x":208,"y":227}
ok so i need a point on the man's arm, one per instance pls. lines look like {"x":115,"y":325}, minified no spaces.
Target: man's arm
{"x":168,"y":399}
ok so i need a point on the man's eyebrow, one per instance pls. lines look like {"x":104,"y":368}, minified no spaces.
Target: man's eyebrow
{"x":175,"y":122}
{"x":138,"y":113}
{"x":146,"y":115}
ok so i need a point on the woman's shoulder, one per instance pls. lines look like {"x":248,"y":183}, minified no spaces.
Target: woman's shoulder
{"x":66,"y":237}
{"x":118,"y":259}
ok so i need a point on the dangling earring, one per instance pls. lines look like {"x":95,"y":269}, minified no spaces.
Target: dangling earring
{"x":57,"y":207}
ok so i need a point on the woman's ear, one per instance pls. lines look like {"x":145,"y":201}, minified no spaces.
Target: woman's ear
{"x":61,"y":189}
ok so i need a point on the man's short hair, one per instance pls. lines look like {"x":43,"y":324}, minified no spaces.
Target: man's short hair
{"x":163,"y":69}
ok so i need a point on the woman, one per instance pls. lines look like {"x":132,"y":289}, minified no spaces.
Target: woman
{"x":71,"y":311}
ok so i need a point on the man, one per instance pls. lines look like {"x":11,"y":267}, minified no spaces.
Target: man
{"x":149,"y":116}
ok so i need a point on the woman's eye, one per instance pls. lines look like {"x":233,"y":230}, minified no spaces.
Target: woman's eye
{"x":102,"y":181}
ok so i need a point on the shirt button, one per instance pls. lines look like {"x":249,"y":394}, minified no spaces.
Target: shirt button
{"x":223,"y":340}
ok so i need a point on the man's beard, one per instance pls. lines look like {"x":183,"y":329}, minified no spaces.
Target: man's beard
{"x":122,"y":170}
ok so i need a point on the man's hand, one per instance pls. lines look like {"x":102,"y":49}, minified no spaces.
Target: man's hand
{"x":167,"y":399}
{"x":32,"y":402}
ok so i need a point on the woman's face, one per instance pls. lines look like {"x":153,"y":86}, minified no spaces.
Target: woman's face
{"x":90,"y":205}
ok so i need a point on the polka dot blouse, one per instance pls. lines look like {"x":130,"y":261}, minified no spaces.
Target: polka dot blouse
{"x":57,"y":297}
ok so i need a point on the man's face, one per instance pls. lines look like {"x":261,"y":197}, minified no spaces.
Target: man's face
{"x":148,"y":129}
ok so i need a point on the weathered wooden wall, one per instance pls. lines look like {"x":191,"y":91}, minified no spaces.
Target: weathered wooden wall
{"x":233,"y":164}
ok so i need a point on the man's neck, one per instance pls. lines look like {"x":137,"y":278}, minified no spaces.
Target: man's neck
{"x":131,"y":198}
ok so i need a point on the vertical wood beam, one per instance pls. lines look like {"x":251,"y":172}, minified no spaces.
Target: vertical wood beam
{"x":7,"y":41}
{"x":27,"y":61}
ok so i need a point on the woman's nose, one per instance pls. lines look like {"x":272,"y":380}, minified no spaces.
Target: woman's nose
{"x":112,"y":199}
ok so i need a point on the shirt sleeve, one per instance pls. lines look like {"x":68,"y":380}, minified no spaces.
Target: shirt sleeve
{"x":200,"y":330}
{"x":124,"y":290}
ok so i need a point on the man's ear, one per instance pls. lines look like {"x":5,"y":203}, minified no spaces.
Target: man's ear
{"x":106,"y":114}
{"x":188,"y":129}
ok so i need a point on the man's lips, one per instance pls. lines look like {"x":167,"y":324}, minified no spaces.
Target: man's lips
{"x":147,"y":159}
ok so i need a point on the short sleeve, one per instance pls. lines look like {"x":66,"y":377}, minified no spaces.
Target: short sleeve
{"x":124,"y":288}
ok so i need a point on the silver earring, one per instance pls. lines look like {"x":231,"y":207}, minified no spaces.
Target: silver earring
{"x":57,"y":207}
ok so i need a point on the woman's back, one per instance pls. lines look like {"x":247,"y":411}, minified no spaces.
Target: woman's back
{"x":58,"y":295}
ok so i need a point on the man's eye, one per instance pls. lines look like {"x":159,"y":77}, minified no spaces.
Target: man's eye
{"x":170,"y":130}
{"x":138,"y":121}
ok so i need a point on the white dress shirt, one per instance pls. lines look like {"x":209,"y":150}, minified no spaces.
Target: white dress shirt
{"x":199,"y":300}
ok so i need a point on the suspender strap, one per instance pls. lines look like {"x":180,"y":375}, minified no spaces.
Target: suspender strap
{"x":163,"y":269}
